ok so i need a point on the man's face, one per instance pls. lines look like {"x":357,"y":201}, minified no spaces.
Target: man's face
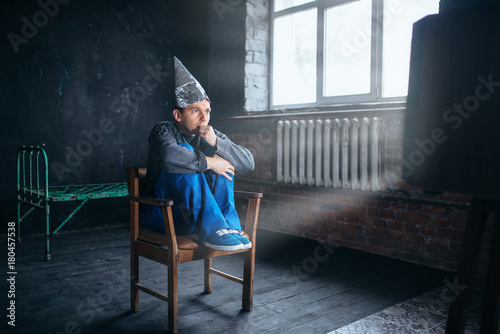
{"x":192,"y":117}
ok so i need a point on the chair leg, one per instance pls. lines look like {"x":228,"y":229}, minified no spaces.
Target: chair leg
{"x":467,"y":266}
{"x":134,"y":279}
{"x":491,"y":307}
{"x":173,"y":311}
{"x":248,"y":274}
{"x":208,"y":275}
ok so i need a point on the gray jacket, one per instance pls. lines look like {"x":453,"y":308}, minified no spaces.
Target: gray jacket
{"x":165,"y":153}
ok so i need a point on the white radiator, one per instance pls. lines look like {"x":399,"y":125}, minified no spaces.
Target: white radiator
{"x":339,"y":153}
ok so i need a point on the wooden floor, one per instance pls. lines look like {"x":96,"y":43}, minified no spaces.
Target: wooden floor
{"x":300,"y":287}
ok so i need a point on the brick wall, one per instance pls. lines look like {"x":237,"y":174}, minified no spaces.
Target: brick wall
{"x":408,"y":224}
{"x":257,"y":55}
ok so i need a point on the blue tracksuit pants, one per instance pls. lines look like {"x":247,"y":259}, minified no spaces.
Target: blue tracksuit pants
{"x":203,"y":203}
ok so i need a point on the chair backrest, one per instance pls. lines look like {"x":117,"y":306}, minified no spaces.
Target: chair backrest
{"x":141,"y":175}
{"x":136,"y":180}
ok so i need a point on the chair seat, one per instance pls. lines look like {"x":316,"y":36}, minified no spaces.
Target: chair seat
{"x":187,"y":242}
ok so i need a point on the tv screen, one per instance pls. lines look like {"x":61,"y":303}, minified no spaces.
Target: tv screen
{"x":452,"y":121}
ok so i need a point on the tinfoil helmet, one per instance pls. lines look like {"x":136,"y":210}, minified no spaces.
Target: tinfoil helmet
{"x":187,"y":89}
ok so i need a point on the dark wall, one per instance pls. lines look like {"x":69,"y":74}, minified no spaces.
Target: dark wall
{"x":88,"y":79}
{"x":445,"y":5}
{"x":227,"y":54}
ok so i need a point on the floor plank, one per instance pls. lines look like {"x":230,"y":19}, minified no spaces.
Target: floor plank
{"x":300,"y":287}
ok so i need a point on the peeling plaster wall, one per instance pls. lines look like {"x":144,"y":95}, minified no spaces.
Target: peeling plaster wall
{"x":89,"y":79}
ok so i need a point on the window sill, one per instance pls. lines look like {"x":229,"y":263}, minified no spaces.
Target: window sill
{"x":344,"y":110}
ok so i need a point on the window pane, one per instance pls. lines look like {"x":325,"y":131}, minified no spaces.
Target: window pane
{"x":399,"y":16}
{"x":348,"y":48}
{"x":284,"y":4}
{"x":294,"y":58}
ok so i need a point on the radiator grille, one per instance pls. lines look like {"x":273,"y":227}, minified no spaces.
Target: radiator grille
{"x":339,"y":153}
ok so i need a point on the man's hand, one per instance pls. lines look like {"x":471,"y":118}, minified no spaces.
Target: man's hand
{"x":206,"y":132}
{"x":220,"y":166}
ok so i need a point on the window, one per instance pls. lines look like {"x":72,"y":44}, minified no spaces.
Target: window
{"x":342,"y":51}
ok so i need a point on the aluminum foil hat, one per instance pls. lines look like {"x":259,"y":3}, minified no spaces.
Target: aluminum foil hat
{"x":187,"y":89}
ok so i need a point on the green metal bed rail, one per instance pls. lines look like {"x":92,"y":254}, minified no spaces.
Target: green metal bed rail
{"x":33,"y":190}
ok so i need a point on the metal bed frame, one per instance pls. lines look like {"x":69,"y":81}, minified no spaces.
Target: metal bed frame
{"x":33,"y":190}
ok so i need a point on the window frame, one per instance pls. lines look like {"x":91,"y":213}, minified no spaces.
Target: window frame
{"x":377,"y":29}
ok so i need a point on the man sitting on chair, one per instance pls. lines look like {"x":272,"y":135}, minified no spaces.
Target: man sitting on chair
{"x":194,"y":165}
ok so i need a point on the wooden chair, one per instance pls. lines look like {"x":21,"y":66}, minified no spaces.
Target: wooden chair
{"x":170,"y":249}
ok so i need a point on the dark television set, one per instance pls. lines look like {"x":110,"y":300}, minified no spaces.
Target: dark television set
{"x":452,"y":121}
